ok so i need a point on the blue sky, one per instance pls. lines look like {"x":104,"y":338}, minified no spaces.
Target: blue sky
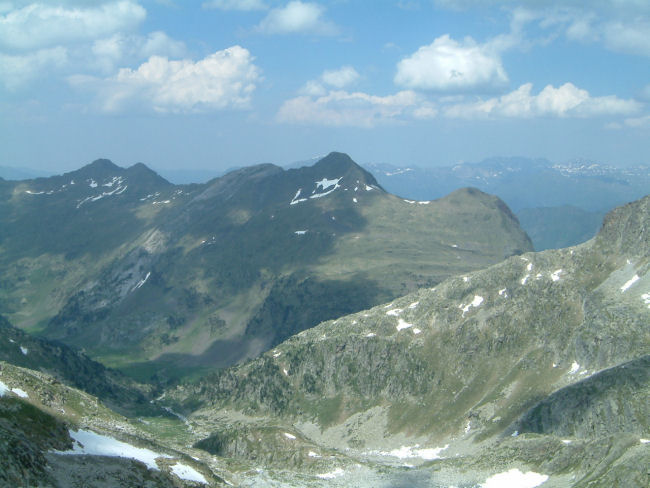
{"x":221,"y":83}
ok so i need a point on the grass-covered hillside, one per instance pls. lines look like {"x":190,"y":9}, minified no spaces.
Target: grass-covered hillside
{"x":166,"y":281}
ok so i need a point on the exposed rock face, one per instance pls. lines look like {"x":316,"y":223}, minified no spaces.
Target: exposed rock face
{"x":553,"y":343}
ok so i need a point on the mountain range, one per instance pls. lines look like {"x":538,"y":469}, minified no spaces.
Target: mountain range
{"x":164,"y":281}
{"x":533,"y":371}
{"x":558,"y":205}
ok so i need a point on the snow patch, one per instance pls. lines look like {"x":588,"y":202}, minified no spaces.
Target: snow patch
{"x":529,"y":267}
{"x":88,"y":442}
{"x":368,"y":188}
{"x":296,"y":199}
{"x":188,"y":473}
{"x":525,"y":279}
{"x":629,"y":283}
{"x":290,"y":436}
{"x":312,"y":454}
{"x":355,"y":200}
{"x":644,"y":441}
{"x":332,"y":474}
{"x":3,"y":389}
{"x":277,"y":354}
{"x":646,"y":299}
{"x":92,"y":183}
{"x":515,"y":479}
{"x":142,"y":281}
{"x":454,"y":245}
{"x":20,"y":393}
{"x":474,"y":303}
{"x":24,"y":350}
{"x":300,"y":232}
{"x":503,"y":292}
{"x":468,"y":427}
{"x":401,"y":324}
{"x":409,"y":452}
{"x":465,"y":279}
{"x":574,"y":368}
{"x":395,"y":312}
{"x":286,"y":373}
{"x":416,"y":331}
{"x":371,"y":334}
{"x":414,"y":305}
{"x":566,"y":441}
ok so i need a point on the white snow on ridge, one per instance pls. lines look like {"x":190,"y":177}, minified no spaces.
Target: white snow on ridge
{"x":503,"y":292}
{"x":402,"y":324}
{"x":21,"y":393}
{"x":395,"y":312}
{"x":24,"y":350}
{"x":88,"y":442}
{"x":188,"y":473}
{"x":3,"y":389}
{"x":324,"y":184}
{"x":142,"y":281}
{"x":296,"y":199}
{"x":408,"y":452}
{"x":574,"y":368}
{"x":290,"y":436}
{"x":629,"y":283}
{"x":92,"y":183}
{"x":300,"y":232}
{"x":474,"y":303}
{"x":515,"y":479}
{"x":525,"y":279}
{"x":646,"y":299}
{"x":555,"y":276}
{"x":331,"y":475}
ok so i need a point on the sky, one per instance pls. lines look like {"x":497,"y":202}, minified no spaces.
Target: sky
{"x":217,"y":84}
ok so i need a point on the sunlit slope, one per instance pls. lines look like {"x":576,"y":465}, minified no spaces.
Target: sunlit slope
{"x":502,"y":364}
{"x":202,"y":276}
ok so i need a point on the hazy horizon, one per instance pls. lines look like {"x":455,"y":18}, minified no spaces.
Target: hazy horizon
{"x":221,"y":84}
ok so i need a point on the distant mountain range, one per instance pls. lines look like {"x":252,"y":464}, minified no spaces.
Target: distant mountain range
{"x":164,"y":280}
{"x":557,"y":204}
{"x":401,"y":342}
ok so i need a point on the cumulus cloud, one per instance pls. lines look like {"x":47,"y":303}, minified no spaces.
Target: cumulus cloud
{"x":341,"y":77}
{"x":16,"y":70}
{"x":564,"y":101}
{"x":354,"y":109}
{"x":37,"y":25}
{"x":109,"y":52}
{"x":297,"y":18}
{"x":224,"y":79}
{"x":449,"y":65}
{"x":243,"y":5}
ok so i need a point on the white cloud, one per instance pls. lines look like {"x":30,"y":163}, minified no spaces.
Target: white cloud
{"x":16,"y":70}
{"x":356,"y":109}
{"x":638,"y":122}
{"x":224,"y":79}
{"x":109,"y":52}
{"x":38,"y":25}
{"x":341,"y":77}
{"x":448,"y":65}
{"x":244,"y":5}
{"x":628,"y":37}
{"x":564,"y":101}
{"x":297,"y":18}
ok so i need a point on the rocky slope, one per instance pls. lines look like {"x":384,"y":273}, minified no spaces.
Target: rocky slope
{"x":538,"y":364}
{"x":163,"y":281}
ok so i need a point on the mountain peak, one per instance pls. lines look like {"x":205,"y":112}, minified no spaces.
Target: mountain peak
{"x":339,"y":163}
{"x":102,"y":164}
